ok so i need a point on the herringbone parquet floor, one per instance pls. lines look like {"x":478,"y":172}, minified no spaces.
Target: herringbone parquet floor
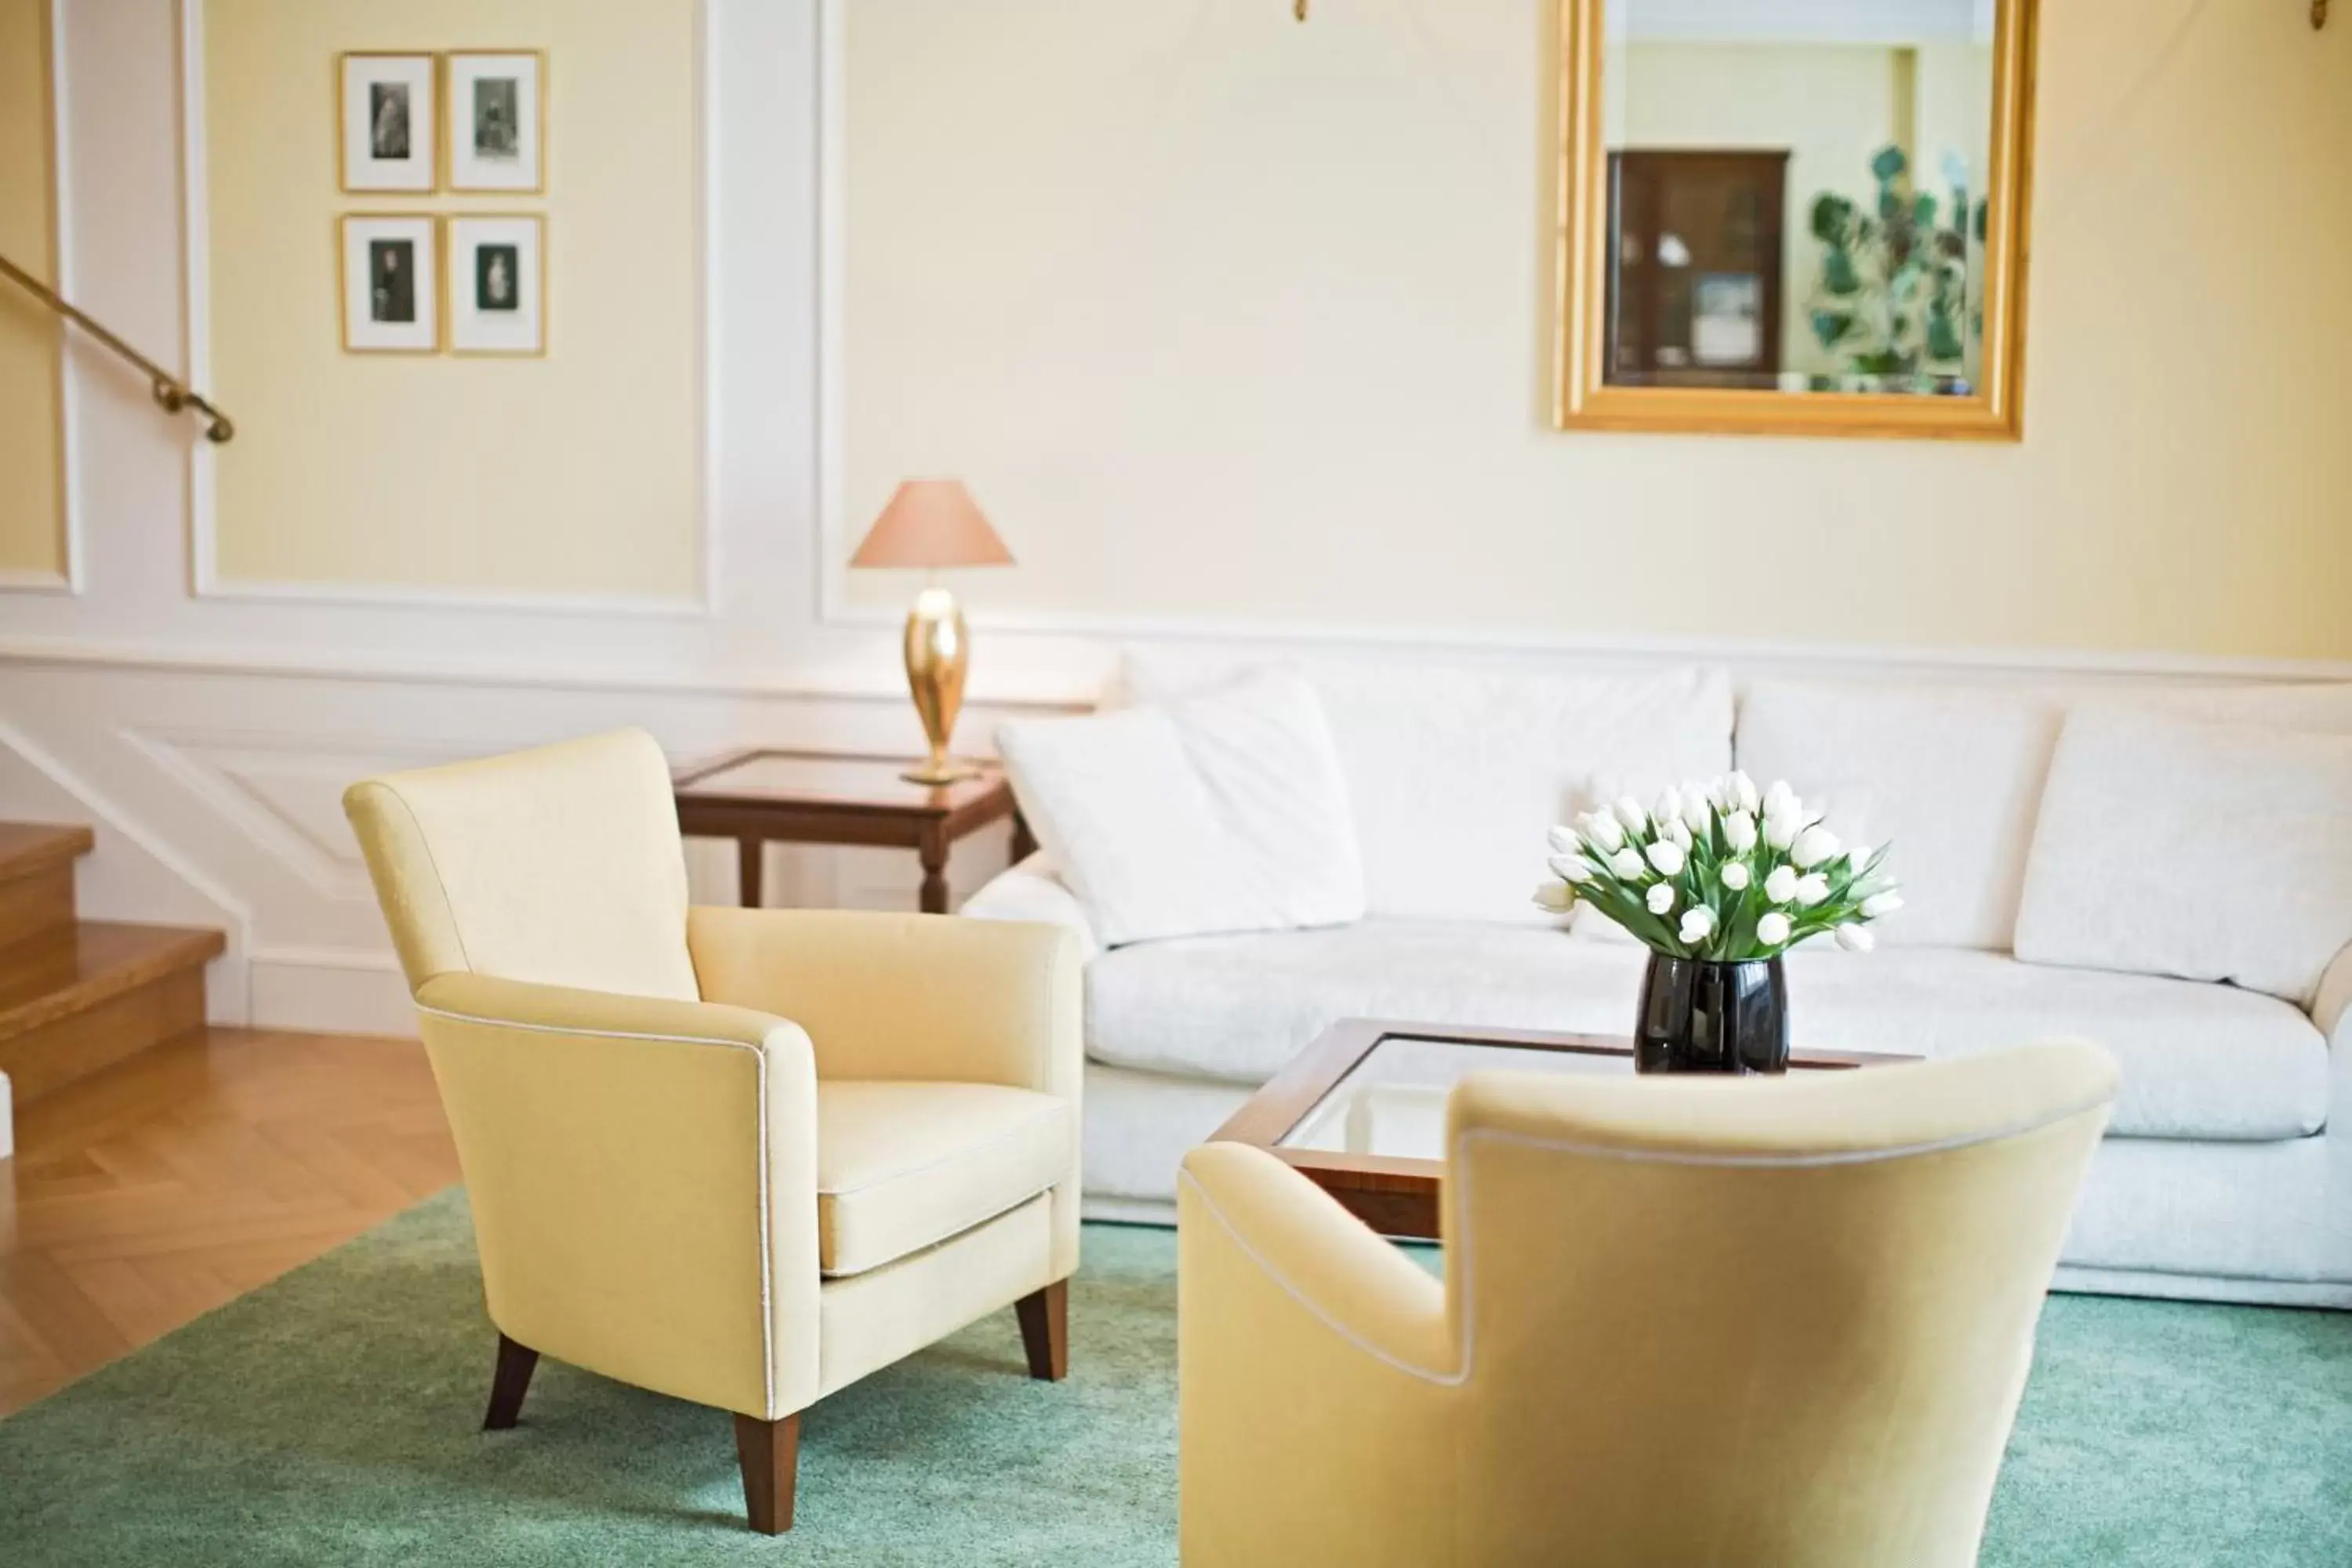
{"x":186,"y":1175}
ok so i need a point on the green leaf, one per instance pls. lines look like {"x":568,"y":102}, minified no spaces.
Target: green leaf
{"x":1983,"y":209}
{"x":1943,"y":337}
{"x":1829,"y":327}
{"x":1831,"y":213}
{"x":1839,"y":275}
{"x":1923,"y":210}
{"x":1889,"y":164}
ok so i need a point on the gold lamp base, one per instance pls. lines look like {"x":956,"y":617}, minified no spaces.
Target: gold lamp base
{"x":939,"y":652}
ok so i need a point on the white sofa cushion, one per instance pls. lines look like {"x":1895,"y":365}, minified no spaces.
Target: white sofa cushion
{"x":1953,"y":774}
{"x":1114,"y":800}
{"x":1456,"y":768}
{"x":902,"y":1165}
{"x":1952,"y":778}
{"x":1222,"y":812}
{"x":2172,"y":846}
{"x":2200,"y":1061}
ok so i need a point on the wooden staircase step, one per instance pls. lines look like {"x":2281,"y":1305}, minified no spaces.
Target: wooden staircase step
{"x":36,"y":877}
{"x":83,"y":998}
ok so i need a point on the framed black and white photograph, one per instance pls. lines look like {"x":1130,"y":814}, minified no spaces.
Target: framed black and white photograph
{"x":391,"y":291}
{"x":388,"y":115}
{"x":498,"y":120}
{"x":498,"y":284}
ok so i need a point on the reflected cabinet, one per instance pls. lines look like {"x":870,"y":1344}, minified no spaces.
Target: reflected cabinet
{"x":1808,"y":219}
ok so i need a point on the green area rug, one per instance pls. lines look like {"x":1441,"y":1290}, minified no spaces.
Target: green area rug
{"x":332,"y":1418}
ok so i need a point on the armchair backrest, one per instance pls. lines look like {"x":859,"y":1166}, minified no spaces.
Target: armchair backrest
{"x":560,"y":866}
{"x":1790,"y":1321}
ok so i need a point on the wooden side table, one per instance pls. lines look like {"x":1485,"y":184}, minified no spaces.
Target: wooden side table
{"x":819,"y":797}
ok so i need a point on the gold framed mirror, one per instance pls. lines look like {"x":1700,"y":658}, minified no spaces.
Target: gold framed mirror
{"x":1794,"y":218}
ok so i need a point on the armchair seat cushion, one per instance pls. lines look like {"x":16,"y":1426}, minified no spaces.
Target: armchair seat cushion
{"x":903,"y":1165}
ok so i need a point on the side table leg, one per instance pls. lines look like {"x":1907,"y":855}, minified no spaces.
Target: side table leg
{"x":749,"y":854}
{"x":932,"y":847}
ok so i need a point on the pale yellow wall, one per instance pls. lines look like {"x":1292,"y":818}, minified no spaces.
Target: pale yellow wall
{"x":574,"y":474}
{"x":1829,"y":107}
{"x":1226,"y":316}
{"x":32,"y":516}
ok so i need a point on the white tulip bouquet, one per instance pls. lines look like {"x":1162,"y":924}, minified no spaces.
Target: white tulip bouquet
{"x":1719,"y":873}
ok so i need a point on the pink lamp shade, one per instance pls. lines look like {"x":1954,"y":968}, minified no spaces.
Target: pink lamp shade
{"x":931,"y":523}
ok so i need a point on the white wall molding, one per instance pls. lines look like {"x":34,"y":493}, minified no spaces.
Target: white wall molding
{"x":235,"y":783}
{"x":330,"y":990}
{"x":205,"y":579}
{"x":70,"y":580}
{"x":861,"y":682}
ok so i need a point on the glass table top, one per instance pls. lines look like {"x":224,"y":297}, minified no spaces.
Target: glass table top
{"x":814,"y":776}
{"x":1392,"y":1101}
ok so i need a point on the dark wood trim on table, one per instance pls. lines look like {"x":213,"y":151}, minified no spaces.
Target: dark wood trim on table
{"x":1395,"y":1194}
{"x":888,"y":814}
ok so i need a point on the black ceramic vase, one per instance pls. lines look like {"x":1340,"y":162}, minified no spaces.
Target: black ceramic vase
{"x":1702,"y":1016}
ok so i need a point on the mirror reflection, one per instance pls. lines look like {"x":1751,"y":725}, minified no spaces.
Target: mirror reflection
{"x":1797,"y":194}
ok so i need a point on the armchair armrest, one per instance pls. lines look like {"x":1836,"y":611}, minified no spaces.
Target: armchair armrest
{"x":1033,"y":891}
{"x":1333,"y":1270}
{"x":904,"y":996}
{"x":643,"y":1177}
{"x":1318,"y":1376}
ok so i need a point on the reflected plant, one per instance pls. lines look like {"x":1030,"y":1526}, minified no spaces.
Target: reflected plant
{"x":1893,"y":295}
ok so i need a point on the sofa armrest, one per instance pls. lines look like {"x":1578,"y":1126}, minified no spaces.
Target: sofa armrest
{"x":1317,"y":1376}
{"x":901,"y":995}
{"x":642,"y":1179}
{"x":1033,"y":890}
{"x":2332,"y":1007}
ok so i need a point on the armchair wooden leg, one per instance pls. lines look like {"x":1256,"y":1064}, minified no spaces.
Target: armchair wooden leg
{"x":1045,"y":1331}
{"x":510,"y":1384}
{"x":770,"y":1453}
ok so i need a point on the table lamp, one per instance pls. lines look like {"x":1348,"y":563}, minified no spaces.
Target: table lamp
{"x":934,"y":523}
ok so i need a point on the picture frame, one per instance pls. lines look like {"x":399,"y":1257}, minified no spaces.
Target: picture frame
{"x":386,"y":111}
{"x":390,"y":290}
{"x":496,"y":268}
{"x":495,"y":123}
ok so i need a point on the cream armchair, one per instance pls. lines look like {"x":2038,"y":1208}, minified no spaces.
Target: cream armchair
{"x":740,"y":1156}
{"x":1767,"y":1324}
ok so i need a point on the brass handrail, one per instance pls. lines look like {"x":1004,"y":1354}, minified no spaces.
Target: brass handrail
{"x":173,"y":393}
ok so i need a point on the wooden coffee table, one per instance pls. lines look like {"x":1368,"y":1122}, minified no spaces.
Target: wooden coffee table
{"x":1361,"y":1111}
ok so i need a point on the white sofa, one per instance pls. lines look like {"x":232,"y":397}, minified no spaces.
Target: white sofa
{"x":2218,"y":1179}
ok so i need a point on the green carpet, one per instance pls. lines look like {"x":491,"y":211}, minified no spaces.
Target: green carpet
{"x":331,"y":1417}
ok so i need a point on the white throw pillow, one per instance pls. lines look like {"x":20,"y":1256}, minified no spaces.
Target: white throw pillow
{"x":2172,"y":846}
{"x":1224,"y":812}
{"x":1264,"y":755}
{"x":1951,"y":777}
